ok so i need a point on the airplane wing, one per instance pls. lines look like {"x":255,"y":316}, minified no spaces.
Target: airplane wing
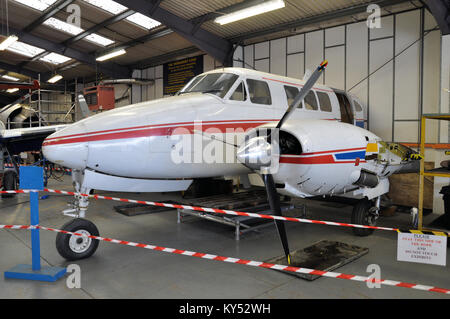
{"x":26,"y":139}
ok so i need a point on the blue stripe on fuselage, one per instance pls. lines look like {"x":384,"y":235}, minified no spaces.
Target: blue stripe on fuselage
{"x":350,"y":155}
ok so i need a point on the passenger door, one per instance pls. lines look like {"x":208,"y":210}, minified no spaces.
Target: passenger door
{"x":347,"y":115}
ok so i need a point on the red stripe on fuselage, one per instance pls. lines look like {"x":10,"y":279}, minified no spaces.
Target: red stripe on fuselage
{"x":159,"y":131}
{"x":157,"y":125}
{"x":323,"y":159}
{"x":336,"y":151}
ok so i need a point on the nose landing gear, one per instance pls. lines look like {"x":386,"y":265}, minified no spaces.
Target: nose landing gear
{"x":365,"y":212}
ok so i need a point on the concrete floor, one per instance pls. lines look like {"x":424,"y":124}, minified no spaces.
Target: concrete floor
{"x":117,"y":271}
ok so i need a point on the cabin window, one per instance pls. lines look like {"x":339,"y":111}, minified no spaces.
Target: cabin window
{"x":358,"y":107}
{"x":324,"y":101}
{"x":259,"y":92}
{"x":291,"y":93}
{"x":240,"y":94}
{"x":310,"y":101}
{"x":214,"y":83}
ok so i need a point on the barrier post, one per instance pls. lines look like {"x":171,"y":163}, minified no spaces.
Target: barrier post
{"x":32,"y":177}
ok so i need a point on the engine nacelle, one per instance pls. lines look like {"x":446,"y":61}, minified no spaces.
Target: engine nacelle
{"x":319,"y":157}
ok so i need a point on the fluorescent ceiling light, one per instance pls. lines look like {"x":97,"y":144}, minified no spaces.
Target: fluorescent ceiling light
{"x":55,"y":78}
{"x":74,"y":30}
{"x":8,"y":41}
{"x":116,"y":8}
{"x":12,"y":90}
{"x":143,"y":21}
{"x":263,"y":7}
{"x":55,"y":58}
{"x":40,"y":5}
{"x":24,"y":49}
{"x":11,"y":78}
{"x":111,"y":55}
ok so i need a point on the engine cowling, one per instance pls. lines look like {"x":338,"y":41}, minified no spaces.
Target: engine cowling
{"x":318,"y":157}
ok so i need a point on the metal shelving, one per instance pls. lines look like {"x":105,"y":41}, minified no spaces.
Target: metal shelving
{"x":438,"y":172}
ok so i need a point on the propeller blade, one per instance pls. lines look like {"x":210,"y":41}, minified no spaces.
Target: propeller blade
{"x":274,"y":201}
{"x":303,"y":92}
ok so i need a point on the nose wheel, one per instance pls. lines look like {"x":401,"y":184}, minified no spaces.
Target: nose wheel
{"x":365,"y":212}
{"x":72,"y":247}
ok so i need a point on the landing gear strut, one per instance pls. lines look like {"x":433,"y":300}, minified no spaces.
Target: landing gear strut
{"x":365,"y":212}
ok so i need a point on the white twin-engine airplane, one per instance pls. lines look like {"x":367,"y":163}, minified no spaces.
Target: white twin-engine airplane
{"x":311,"y":133}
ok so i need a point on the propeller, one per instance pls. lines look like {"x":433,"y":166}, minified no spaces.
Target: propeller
{"x":261,"y":153}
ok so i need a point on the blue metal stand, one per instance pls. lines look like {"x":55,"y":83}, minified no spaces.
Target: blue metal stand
{"x":32,"y":177}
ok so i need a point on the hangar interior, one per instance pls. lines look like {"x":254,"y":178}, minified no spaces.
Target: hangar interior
{"x":399,"y":71}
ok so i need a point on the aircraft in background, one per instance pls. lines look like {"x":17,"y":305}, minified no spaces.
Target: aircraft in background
{"x":24,"y":136}
{"x":303,"y":138}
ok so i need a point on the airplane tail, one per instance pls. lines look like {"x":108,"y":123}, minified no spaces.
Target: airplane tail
{"x":83,"y":106}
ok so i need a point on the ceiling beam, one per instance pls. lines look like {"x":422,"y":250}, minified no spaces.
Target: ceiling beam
{"x":440,"y":9}
{"x":95,"y":28}
{"x":19,"y":70}
{"x":108,"y":68}
{"x":340,"y":13}
{"x":49,"y":12}
{"x":219,"y":48}
{"x":164,"y":58}
{"x":197,"y":21}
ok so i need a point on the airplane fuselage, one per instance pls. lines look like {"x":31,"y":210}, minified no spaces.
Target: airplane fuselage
{"x":143,"y":140}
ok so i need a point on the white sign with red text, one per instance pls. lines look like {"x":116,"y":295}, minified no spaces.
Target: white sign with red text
{"x":421,"y":248}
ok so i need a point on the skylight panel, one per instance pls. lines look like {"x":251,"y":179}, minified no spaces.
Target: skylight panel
{"x":143,"y":21}
{"x":98,"y":39}
{"x":25,"y":49}
{"x":40,"y":5}
{"x":116,"y":8}
{"x":108,"y":5}
{"x":74,"y":30}
{"x":55,"y":58}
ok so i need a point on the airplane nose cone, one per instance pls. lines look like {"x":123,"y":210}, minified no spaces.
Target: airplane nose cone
{"x":67,"y":148}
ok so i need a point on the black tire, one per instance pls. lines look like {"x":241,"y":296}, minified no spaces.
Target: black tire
{"x":360,"y":216}
{"x":9,"y":183}
{"x":73,"y":247}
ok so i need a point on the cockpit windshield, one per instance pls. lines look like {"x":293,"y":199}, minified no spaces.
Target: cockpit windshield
{"x":214,"y":83}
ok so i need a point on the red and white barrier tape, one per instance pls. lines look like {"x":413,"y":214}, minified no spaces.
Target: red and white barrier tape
{"x":243,"y":261}
{"x":222,"y":211}
{"x":227,"y":212}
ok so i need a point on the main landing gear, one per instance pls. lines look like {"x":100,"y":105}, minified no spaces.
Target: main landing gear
{"x":365,"y":212}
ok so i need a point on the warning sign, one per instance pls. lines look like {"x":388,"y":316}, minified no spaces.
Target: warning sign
{"x":421,"y":248}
